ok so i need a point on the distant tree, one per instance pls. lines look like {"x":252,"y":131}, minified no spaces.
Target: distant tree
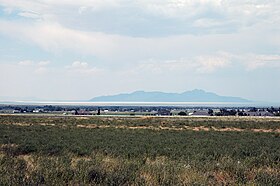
{"x":241,"y":113}
{"x":210,"y":112}
{"x":254,"y":109}
{"x":76,"y":112}
{"x":182,"y":113}
{"x":272,"y":109}
{"x":232,"y":112}
{"x":218,"y":114}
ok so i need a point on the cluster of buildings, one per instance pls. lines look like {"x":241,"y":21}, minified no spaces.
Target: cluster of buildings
{"x":221,"y":112}
{"x":143,"y":111}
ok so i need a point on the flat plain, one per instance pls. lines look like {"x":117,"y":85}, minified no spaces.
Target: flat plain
{"x":96,"y":150}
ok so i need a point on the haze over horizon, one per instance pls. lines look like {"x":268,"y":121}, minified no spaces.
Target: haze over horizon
{"x":139,"y":92}
{"x":77,"y":50}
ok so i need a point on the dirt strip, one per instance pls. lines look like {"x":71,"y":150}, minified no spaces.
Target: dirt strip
{"x":200,"y":128}
{"x":173,"y":128}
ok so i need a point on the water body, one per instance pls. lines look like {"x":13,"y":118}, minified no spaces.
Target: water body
{"x":175,"y":104}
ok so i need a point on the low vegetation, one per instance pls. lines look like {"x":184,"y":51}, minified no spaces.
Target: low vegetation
{"x":50,"y":150}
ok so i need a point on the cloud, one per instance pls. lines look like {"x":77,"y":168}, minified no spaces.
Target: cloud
{"x":82,"y":9}
{"x":256,"y":61}
{"x":202,"y":51}
{"x":25,"y":63}
{"x":38,"y":67}
{"x":151,"y":17}
{"x":180,"y":8}
{"x":164,"y":66}
{"x":79,"y":65}
{"x":56,"y":38}
{"x":140,"y":43}
{"x":83,"y":68}
{"x":138,"y":31}
{"x":8,"y":11}
{"x":198,"y":64}
{"x":41,"y":70}
{"x":43,"y":63}
{"x":209,"y":64}
{"x":31,"y":15}
{"x":33,"y":63}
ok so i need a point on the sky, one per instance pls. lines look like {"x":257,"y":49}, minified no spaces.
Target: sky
{"x":76,"y":50}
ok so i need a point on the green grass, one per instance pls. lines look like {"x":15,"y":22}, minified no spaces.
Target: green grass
{"x":66,"y":154}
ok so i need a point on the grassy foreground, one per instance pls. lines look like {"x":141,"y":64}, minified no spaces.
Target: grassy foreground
{"x":49,"y":150}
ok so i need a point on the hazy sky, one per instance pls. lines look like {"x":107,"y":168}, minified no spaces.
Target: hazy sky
{"x":79,"y":49}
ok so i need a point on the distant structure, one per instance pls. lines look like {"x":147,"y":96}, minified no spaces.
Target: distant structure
{"x":200,"y":113}
{"x":164,"y":112}
{"x":259,"y":113}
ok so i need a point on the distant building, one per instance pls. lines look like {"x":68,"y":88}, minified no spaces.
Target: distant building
{"x":258,"y":113}
{"x":82,"y":112}
{"x":16,"y":111}
{"x":164,"y":112}
{"x":199,"y":113}
{"x":263,"y":113}
{"x":38,"y":110}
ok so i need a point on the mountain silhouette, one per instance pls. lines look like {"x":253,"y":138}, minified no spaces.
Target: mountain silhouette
{"x":195,"y":95}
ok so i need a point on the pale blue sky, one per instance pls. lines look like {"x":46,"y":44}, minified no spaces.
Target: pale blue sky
{"x":77,"y":50}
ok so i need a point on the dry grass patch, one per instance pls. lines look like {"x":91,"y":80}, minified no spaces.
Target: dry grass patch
{"x":263,"y":130}
{"x":148,"y":177}
{"x":11,"y":145}
{"x":83,"y":118}
{"x":224,"y":178}
{"x":47,"y":124}
{"x":30,"y":162}
{"x":188,"y":176}
{"x":76,"y":160}
{"x":22,"y":124}
{"x":110,"y":164}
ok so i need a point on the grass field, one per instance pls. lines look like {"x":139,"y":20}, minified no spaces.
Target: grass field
{"x":55,"y":150}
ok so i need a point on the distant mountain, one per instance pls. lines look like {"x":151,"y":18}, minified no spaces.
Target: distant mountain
{"x":188,"y":96}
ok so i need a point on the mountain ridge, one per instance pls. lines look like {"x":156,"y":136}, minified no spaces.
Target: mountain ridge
{"x":196,"y":95}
